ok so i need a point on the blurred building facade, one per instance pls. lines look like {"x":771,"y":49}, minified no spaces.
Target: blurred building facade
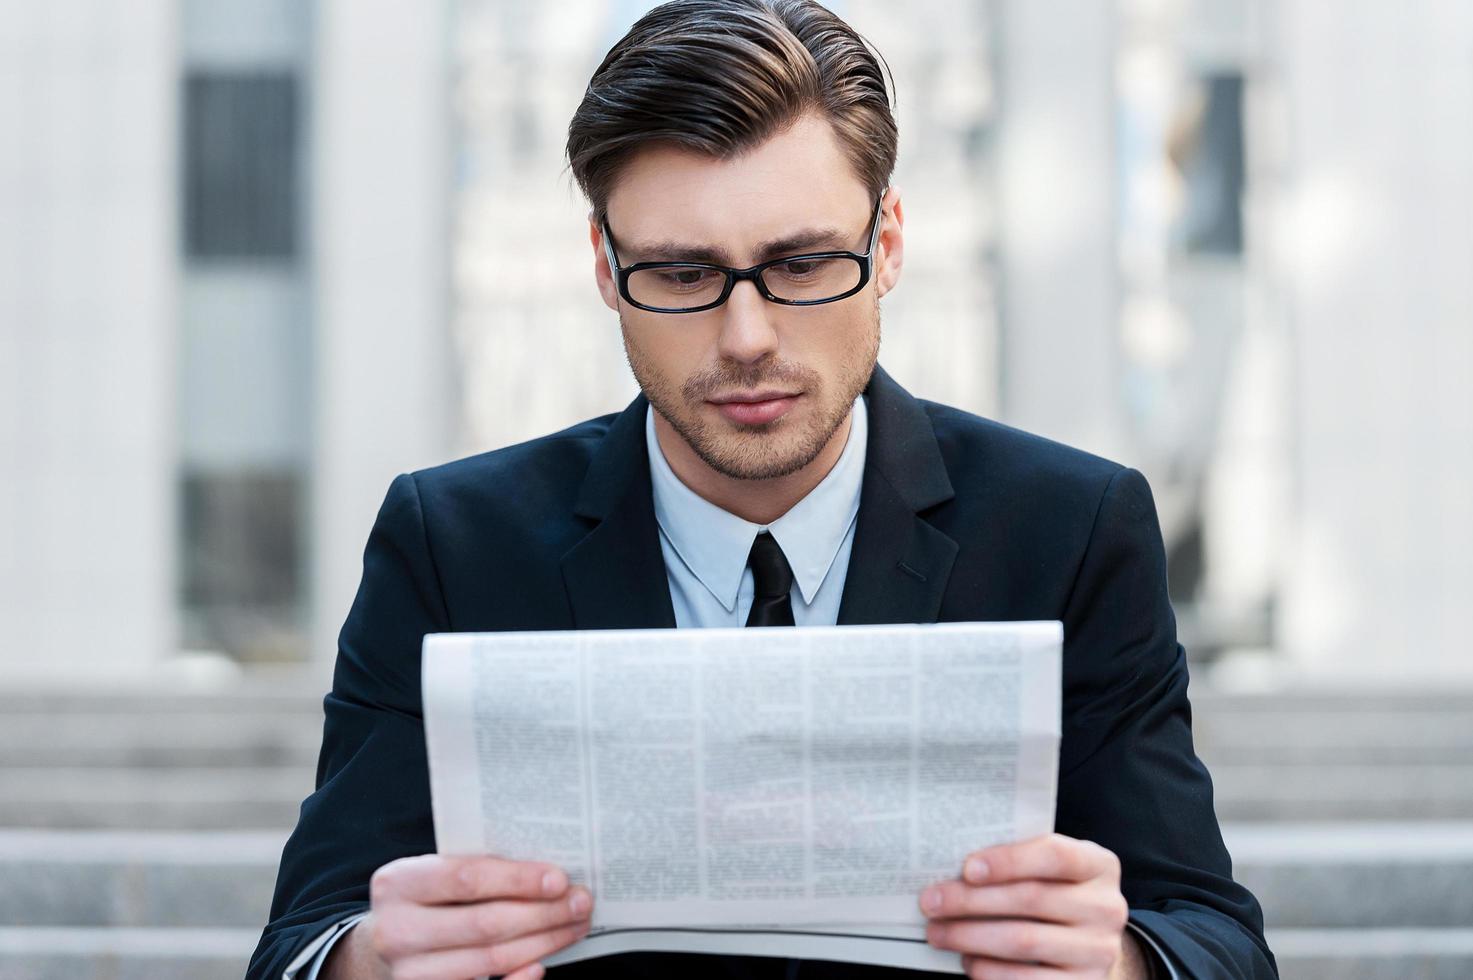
{"x":260,"y":256}
{"x":224,"y":283}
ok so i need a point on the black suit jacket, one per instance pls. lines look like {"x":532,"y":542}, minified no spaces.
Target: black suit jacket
{"x":960,"y":518}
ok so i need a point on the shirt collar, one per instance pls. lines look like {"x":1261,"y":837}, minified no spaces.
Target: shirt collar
{"x":714,"y":543}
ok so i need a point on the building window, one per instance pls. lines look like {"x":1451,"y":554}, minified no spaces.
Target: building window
{"x":240,"y":164}
{"x":242,"y":563}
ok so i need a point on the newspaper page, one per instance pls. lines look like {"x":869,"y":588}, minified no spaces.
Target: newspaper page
{"x":763,"y":792}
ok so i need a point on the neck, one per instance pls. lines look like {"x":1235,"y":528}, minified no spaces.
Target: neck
{"x":758,"y":501}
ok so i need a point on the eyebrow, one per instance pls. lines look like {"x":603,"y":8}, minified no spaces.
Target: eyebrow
{"x":806,"y":240}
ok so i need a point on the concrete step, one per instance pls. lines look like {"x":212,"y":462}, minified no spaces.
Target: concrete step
{"x":129,"y":734}
{"x":138,"y":879}
{"x":1370,"y":738}
{"x":289,"y":692}
{"x":241,"y":736}
{"x":244,"y":798}
{"x":267,"y":797}
{"x":131,"y":739}
{"x":271,"y":720}
{"x":31,"y":953}
{"x":1356,"y":727}
{"x":1373,"y":954}
{"x":1348,"y":875}
{"x":1409,"y":791}
{"x":1309,"y":876}
{"x":1455,"y":696}
{"x":243,"y":756}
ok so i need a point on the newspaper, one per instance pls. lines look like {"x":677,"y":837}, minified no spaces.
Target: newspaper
{"x":765,"y":792}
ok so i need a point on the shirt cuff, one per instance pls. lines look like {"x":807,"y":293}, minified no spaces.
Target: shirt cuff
{"x":314,"y":954}
{"x":1162,"y":966}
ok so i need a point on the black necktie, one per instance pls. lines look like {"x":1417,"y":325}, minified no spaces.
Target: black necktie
{"x":771,"y":601}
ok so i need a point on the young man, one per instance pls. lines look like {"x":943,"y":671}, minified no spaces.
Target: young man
{"x":737,"y":156}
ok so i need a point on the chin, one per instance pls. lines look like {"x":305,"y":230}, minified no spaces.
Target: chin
{"x":759,"y":452}
{"x":751,"y":467}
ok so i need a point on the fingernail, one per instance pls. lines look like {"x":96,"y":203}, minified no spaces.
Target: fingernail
{"x":552,"y":883}
{"x":975,"y":870}
{"x":579,"y":903}
{"x":931,"y":899}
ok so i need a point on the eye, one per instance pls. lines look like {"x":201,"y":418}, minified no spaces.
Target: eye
{"x":800,"y":268}
{"x":684,"y":277}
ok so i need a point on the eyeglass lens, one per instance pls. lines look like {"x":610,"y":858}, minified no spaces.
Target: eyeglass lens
{"x":686,"y":287}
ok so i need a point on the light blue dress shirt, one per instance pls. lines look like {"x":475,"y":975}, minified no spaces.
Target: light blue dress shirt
{"x":705,"y":550}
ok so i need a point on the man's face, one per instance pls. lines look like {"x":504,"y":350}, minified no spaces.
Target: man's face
{"x":755,"y":388}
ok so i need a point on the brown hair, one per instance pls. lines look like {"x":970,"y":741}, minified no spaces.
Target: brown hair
{"x":720,"y":77}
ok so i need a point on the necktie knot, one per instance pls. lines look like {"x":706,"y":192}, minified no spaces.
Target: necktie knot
{"x":772,"y":579}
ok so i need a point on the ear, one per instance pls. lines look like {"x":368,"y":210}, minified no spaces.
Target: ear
{"x":603,"y":276}
{"x":890,"y":248}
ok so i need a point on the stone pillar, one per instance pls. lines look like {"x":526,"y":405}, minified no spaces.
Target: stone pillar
{"x":87,"y":274}
{"x":1055,"y":188}
{"x":382,"y":366}
{"x":1378,"y":238}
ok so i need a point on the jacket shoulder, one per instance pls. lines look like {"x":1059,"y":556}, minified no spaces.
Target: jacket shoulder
{"x":1024,"y":513}
{"x":974,"y":446}
{"x":540,"y":473}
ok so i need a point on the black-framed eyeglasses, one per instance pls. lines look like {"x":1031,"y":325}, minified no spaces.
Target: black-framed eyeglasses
{"x":793,"y":280}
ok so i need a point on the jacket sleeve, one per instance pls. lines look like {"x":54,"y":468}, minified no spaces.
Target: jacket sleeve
{"x":372,"y":799}
{"x":1129,"y":778}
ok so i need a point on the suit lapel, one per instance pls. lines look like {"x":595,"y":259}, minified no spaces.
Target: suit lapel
{"x":615,"y":576}
{"x":900,"y":564}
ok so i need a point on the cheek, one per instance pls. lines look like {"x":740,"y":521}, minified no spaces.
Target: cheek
{"x":834,"y":343}
{"x":674,"y":353}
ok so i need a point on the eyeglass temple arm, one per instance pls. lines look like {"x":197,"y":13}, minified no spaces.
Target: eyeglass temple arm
{"x":609,"y":248}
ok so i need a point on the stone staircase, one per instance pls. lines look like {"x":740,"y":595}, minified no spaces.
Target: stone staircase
{"x":140,"y":829}
{"x":139,"y":832}
{"x":1351,"y":755}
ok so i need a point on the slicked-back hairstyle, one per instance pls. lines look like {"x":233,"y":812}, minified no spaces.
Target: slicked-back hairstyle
{"x":721,"y":77}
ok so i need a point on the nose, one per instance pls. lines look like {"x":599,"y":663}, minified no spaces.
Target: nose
{"x":747,"y":333}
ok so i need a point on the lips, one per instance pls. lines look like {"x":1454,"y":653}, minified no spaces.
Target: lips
{"x":748,"y":398}
{"x":755,"y":408}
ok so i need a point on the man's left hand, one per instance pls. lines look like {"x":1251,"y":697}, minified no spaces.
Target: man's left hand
{"x":1045,"y":907}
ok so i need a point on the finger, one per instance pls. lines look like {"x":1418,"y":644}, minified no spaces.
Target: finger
{"x":1023,"y":941}
{"x":982,"y":968}
{"x":434,"y":879}
{"x":532,"y":971}
{"x":1049,"y":901}
{"x":479,"y":961}
{"x":404,"y":929}
{"x":1053,"y":857}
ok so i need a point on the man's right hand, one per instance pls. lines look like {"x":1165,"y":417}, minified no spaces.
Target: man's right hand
{"x":434,"y":917}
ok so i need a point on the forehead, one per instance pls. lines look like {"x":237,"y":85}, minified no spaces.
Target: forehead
{"x":798,"y":179}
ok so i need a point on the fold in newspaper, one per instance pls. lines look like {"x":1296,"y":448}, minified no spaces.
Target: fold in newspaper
{"x":762,"y":792}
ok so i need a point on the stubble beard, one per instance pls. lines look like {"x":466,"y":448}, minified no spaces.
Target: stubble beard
{"x":772,"y":449}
